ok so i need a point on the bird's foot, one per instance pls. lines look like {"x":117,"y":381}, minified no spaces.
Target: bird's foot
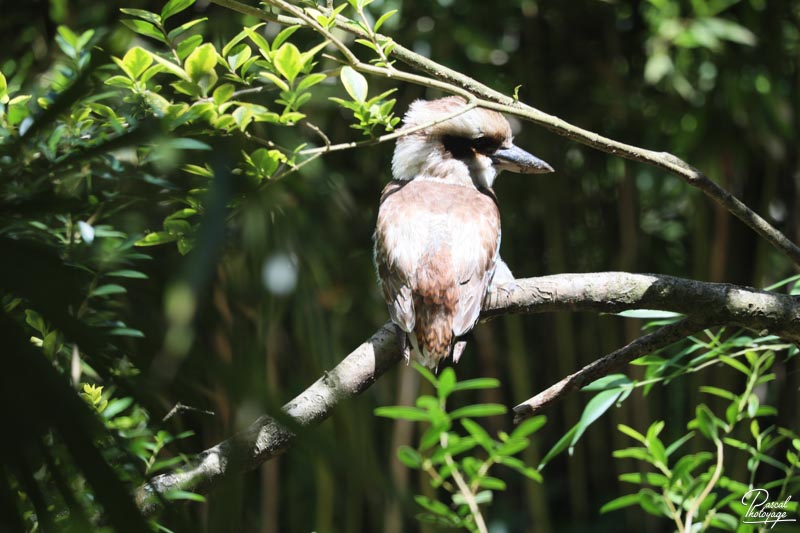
{"x":503,"y":280}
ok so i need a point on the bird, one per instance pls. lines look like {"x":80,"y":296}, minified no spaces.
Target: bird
{"x":437,"y":235}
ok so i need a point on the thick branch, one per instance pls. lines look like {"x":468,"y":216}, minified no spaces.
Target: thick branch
{"x":705,"y":303}
{"x":613,"y":292}
{"x":266,"y":437}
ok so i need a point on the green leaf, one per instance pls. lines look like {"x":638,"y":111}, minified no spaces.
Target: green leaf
{"x":187,"y":45}
{"x":239,"y":37}
{"x":430,"y":437}
{"x":223,"y":93}
{"x":310,"y":81}
{"x":238,"y":56}
{"x":197,"y":170}
{"x":18,"y":109}
{"x":383,"y":18}
{"x":678,"y":443}
{"x":283,"y":35}
{"x":472,"y":411}
{"x":282,"y":85}
{"x":716,"y":391}
{"x":484,"y":496}
{"x":612,"y":381}
{"x":413,"y":414}
{"x":3,"y":89}
{"x":145,"y":28}
{"x":522,"y":468}
{"x":479,"y":434}
{"x":409,"y":457}
{"x":427,"y":374}
{"x":183,"y":143}
{"x":354,"y":83}
{"x":174,"y":7}
{"x":200,"y":66}
{"x":477,"y":383}
{"x":562,"y":444}
{"x":492,"y":483}
{"x":265,"y":162}
{"x":733,"y":363}
{"x":133,"y":274}
{"x":259,"y":40}
{"x":126,"y":332}
{"x":528,"y":427}
{"x":116,"y":406}
{"x":621,"y":502}
{"x":180,"y":30}
{"x":447,"y":380}
{"x":135,"y":62}
{"x":433,"y":506}
{"x":596,"y":407}
{"x":632,"y":433}
{"x":287,"y":61}
{"x":142,"y":14}
{"x":513,"y":447}
{"x":119,"y":81}
{"x":462,"y":445}
{"x":111,"y":288}
{"x":658,"y":66}
{"x":183,"y":495}
{"x":705,"y":421}
{"x":156,"y":238}
{"x":171,"y":67}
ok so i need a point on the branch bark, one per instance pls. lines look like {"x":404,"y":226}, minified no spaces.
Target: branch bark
{"x":608,"y":292}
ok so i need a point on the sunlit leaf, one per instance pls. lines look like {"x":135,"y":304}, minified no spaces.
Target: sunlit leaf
{"x":174,"y":7}
{"x":478,"y":410}
{"x":287,"y":61}
{"x":354,"y":83}
{"x":413,"y":414}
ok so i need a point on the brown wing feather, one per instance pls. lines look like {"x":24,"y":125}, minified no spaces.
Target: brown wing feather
{"x":395,"y":282}
{"x":475,"y":278}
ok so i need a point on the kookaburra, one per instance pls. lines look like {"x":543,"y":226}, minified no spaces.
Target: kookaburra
{"x":437,"y":238}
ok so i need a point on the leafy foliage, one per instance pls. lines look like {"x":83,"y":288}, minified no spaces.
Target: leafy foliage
{"x":457,"y":453}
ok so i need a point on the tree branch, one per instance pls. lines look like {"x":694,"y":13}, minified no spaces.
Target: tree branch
{"x":451,"y":81}
{"x":610,"y":292}
{"x":604,"y":366}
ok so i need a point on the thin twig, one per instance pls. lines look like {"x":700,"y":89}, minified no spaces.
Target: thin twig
{"x":605,"y":365}
{"x":712,"y":482}
{"x":463,"y":488}
{"x":316,"y":129}
{"x":389,"y":136}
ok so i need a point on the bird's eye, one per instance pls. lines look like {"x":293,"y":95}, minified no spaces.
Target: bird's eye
{"x":485,"y":145}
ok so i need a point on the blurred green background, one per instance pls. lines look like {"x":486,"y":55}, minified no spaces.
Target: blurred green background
{"x":286,"y":287}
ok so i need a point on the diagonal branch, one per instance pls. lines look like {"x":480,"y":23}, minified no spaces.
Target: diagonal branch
{"x":267,"y":437}
{"x":450,"y":81}
{"x":610,"y":292}
{"x":604,"y":366}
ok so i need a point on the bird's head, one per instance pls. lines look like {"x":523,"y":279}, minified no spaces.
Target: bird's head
{"x":475,"y":145}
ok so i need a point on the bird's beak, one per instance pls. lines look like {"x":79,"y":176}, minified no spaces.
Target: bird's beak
{"x":515,"y":159}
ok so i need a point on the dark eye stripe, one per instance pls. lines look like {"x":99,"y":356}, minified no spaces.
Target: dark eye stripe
{"x":485,"y":145}
{"x":462,"y":148}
